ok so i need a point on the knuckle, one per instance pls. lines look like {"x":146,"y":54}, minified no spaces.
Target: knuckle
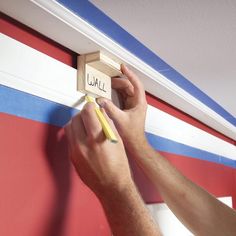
{"x":91,"y":141}
{"x":139,"y":83}
{"x":88,"y":109}
{"x":107,"y":104}
{"x":95,"y":139}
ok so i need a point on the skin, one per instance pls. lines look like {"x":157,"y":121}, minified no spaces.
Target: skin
{"x":104,"y":168}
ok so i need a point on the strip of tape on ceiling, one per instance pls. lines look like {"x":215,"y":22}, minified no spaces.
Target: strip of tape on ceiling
{"x":74,"y":30}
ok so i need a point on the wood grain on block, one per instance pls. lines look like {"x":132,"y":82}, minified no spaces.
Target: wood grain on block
{"x":103,"y":63}
{"x":94,"y":74}
{"x":81,"y":73}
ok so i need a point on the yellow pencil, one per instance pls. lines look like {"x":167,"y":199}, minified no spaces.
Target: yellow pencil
{"x":105,"y":125}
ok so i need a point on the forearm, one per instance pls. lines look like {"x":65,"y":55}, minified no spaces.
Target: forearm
{"x":196,"y":208}
{"x":127,"y":214}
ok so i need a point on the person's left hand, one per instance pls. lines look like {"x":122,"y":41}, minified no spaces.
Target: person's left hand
{"x":101,"y":164}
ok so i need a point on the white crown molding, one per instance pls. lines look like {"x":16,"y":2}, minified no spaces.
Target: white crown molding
{"x":55,"y":21}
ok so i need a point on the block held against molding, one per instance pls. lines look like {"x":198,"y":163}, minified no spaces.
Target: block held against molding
{"x":94,"y":74}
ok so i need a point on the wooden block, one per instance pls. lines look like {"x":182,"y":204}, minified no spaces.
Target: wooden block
{"x":103,"y":63}
{"x":94,"y":74}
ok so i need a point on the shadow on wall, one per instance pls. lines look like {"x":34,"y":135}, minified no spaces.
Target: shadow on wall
{"x":56,"y":152}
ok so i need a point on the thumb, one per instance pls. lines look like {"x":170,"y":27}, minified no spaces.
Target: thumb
{"x":112,"y":110}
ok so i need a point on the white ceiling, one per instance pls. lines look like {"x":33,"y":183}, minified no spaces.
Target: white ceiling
{"x":197,"y":38}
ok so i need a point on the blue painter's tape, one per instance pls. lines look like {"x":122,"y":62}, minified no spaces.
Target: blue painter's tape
{"x":167,"y":145}
{"x":106,"y":25}
{"x":31,"y":107}
{"x":103,"y":23}
{"x":28,"y":106}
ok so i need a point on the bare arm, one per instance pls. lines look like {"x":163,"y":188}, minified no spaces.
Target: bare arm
{"x":103,"y":167}
{"x":202,"y":213}
{"x":127,"y":214}
{"x":198,"y":210}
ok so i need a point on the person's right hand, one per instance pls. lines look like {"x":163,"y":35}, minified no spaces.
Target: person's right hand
{"x":101,"y":164}
{"x":130,"y":121}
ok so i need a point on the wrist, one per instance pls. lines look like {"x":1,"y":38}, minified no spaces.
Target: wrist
{"x":137,"y":146}
{"x":113,"y":191}
{"x":115,"y":187}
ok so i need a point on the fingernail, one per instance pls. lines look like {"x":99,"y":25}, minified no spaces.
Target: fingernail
{"x":101,"y":102}
{"x":125,"y":67}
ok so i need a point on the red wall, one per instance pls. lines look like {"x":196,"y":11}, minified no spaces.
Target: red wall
{"x":40,"y":191}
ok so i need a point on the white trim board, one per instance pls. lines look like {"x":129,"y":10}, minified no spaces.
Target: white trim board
{"x":169,"y":127}
{"x":168,"y":222}
{"x":56,"y":22}
{"x":44,"y":77}
{"x":26,"y":69}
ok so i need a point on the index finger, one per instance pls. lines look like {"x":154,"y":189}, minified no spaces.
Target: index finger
{"x":122,"y":84}
{"x":138,"y":87}
{"x":91,"y":123}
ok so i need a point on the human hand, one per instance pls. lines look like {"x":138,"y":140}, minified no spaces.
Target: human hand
{"x":101,"y":164}
{"x":130,"y":121}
